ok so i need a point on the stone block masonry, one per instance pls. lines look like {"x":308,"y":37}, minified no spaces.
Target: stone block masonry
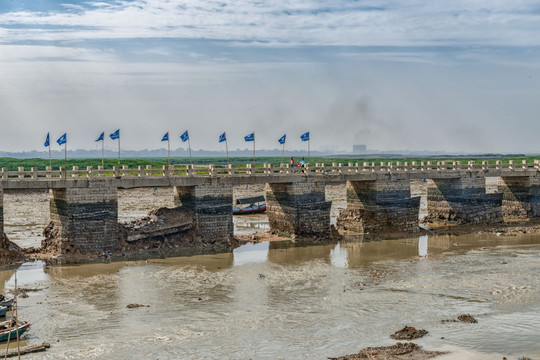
{"x":379,"y":206}
{"x":520,"y":196}
{"x":85,"y":218}
{"x":212,"y":205}
{"x":298,"y":208}
{"x":1,"y":212}
{"x":463,"y":199}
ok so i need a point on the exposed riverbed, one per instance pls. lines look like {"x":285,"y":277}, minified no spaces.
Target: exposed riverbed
{"x":277,"y":300}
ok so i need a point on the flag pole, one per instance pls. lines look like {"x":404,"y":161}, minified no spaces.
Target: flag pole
{"x":189,"y":145}
{"x":118,"y":150}
{"x":227,"y":149}
{"x":169,"y":151}
{"x":65,"y":152}
{"x":254,"y":149}
{"x":282,"y":152}
{"x":50,"y":161}
{"x":103,"y":152}
{"x":308,"y":143}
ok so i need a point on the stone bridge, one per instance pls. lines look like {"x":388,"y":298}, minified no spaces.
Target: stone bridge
{"x":83,"y":203}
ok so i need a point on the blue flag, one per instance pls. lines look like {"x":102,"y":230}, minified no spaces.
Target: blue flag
{"x":250,"y":137}
{"x":47,"y":143}
{"x":165,"y":137}
{"x":222,"y":138}
{"x":282,"y":139}
{"x":115,"y":135}
{"x":184,"y":136}
{"x":101,"y":137}
{"x":62,"y":139}
{"x":305,"y":136}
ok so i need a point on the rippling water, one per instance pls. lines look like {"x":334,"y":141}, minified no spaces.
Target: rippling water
{"x":280,"y":301}
{"x":285,"y":301}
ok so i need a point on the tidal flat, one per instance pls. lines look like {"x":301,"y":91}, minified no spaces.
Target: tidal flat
{"x":279,"y":300}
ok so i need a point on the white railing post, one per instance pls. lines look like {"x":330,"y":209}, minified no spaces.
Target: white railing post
{"x":116,"y":171}
{"x":34,"y":173}
{"x":21,"y":172}
{"x":230,"y":169}
{"x":4,"y":173}
{"x":537,"y":164}
{"x":524,"y":164}
{"x":62,"y":172}
{"x":471,"y":165}
{"x":498,"y":165}
{"x":48,"y":171}
{"x":89,"y":172}
{"x":511,"y":165}
{"x":75,"y":171}
{"x":485,"y":166}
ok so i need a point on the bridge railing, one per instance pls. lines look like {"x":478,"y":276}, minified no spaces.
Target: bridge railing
{"x":267,"y":169}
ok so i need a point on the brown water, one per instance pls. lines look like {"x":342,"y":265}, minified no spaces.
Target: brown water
{"x":280,"y":301}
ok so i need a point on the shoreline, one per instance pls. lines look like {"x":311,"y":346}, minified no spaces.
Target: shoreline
{"x":162,"y":249}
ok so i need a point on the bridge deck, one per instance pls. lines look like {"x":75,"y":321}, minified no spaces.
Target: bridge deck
{"x":192,"y":175}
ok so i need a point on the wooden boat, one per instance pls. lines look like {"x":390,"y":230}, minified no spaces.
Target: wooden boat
{"x":6,"y":303}
{"x":10,"y":328}
{"x":250,"y":205}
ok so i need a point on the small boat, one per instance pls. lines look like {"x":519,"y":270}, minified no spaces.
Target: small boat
{"x":10,"y":328}
{"x":3,"y":311}
{"x":6,"y":303}
{"x":250,"y":205}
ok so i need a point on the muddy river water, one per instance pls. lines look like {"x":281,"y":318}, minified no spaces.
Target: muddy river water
{"x":280,"y":300}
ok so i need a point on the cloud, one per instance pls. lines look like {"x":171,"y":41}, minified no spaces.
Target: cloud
{"x":288,"y":23}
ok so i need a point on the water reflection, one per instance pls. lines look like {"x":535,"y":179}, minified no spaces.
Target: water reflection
{"x":251,"y":253}
{"x":289,"y":300}
{"x":28,"y":273}
{"x":423,"y":245}
{"x":338,"y":257}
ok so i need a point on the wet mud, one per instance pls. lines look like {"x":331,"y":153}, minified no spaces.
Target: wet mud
{"x":408,"y":333}
{"x":398,"y":351}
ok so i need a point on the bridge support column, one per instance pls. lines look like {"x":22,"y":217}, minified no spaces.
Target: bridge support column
{"x":520,"y":197}
{"x":1,"y":212}
{"x":85,"y":219}
{"x":212,"y":205}
{"x":379,"y":206}
{"x":298,"y":208}
{"x":463,"y":199}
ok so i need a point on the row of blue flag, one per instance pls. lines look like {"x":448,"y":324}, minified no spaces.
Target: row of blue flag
{"x":184,"y":137}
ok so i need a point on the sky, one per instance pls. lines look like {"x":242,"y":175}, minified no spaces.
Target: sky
{"x":452,"y":76}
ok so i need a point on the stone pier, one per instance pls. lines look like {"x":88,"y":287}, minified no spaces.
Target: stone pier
{"x":520,"y":197}
{"x":1,"y":212}
{"x":298,"y":208}
{"x":379,"y":206}
{"x":85,"y":218}
{"x":212,"y":205}
{"x":463,"y":199}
